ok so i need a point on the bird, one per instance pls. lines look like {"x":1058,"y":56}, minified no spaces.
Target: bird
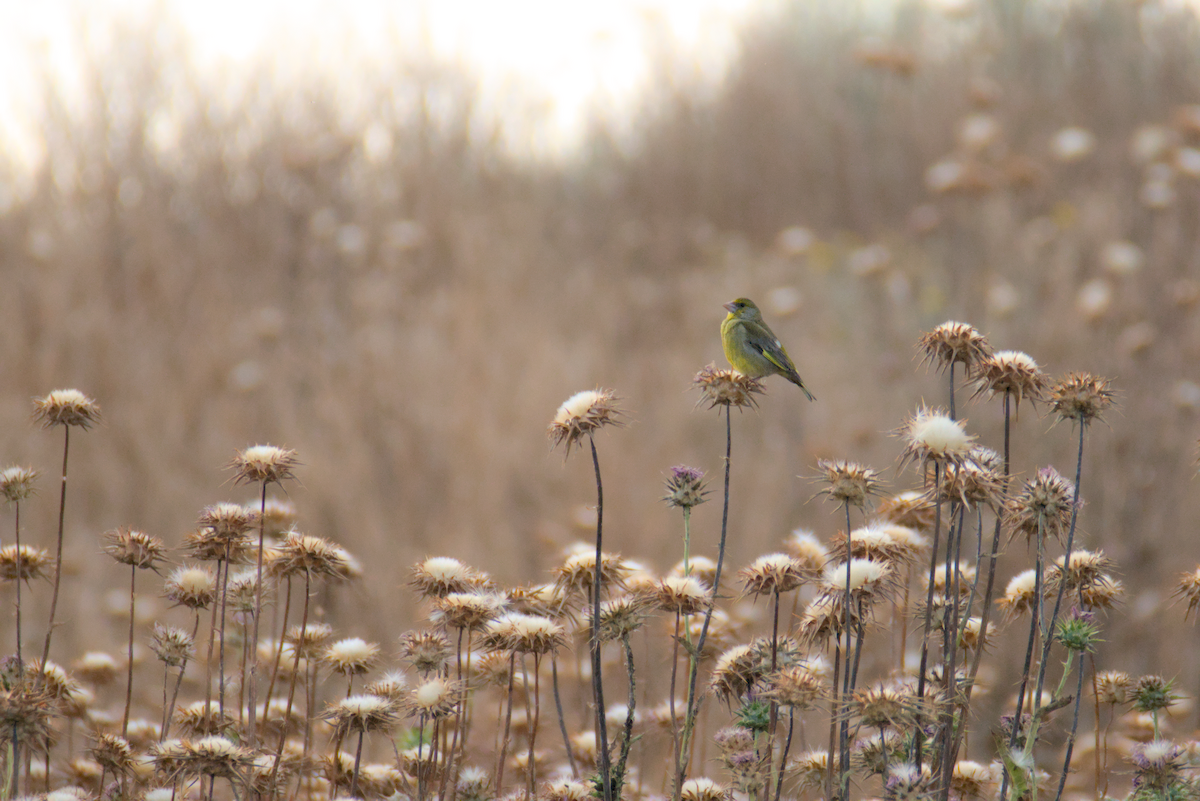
{"x":752,"y":347}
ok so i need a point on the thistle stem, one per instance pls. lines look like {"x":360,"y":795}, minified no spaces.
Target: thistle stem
{"x":604,"y":762}
{"x":62,"y":511}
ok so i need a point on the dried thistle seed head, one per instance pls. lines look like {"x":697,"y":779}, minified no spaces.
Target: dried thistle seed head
{"x":581,"y":415}
{"x":1187,"y":589}
{"x":427,"y":651}
{"x":227,"y":520}
{"x":392,"y":686}
{"x":1159,"y":767}
{"x":683,"y":595}
{"x":26,"y":712}
{"x":95,"y":667}
{"x":685,"y":487}
{"x":703,"y":789}
{"x":971,"y":780}
{"x":361,"y":713}
{"x":278,"y":516}
{"x":266,"y":464}
{"x":1020,"y":596}
{"x":113,"y":753}
{"x":798,"y":687}
{"x":1043,"y":505}
{"x":698,"y":567}
{"x":883,"y":707}
{"x":972,"y":634}
{"x":952,"y":343}
{"x":584,"y":748}
{"x":735,"y":673}
{"x":944,"y":576}
{"x":527,"y":634}
{"x":192,"y":586}
{"x":215,"y":756}
{"x":171,"y":644}
{"x":474,"y":784}
{"x":906,"y":783}
{"x":574,"y":577}
{"x":469,"y":611}
{"x":971,"y":485}
{"x":207,"y":545}
{"x":309,"y":641}
{"x":622,"y":616}
{"x":912,"y":509}
{"x":720,"y":632}
{"x":869,"y":542}
{"x":1103,"y":592}
{"x":1081,"y":397}
{"x":306,"y":555}
{"x":66,"y":407}
{"x":806,"y":548}
{"x":849,"y":482}
{"x":200,"y":719}
{"x":134,"y":548}
{"x":1013,"y":373}
{"x":821,"y":619}
{"x":434,"y":698}
{"x":564,"y":790}
{"x":25,"y":563}
{"x":352,"y":656}
{"x":1086,"y":567}
{"x":16,"y":483}
{"x":240,"y":593}
{"x":668,"y":715}
{"x":726,"y":388}
{"x":441,"y":575}
{"x":811,"y":769}
{"x":931,"y":435}
{"x":1113,"y":687}
{"x":547,"y":600}
{"x":867,"y":578}
{"x":773,"y":574}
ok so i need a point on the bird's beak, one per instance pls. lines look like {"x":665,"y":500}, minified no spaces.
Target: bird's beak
{"x":729,"y":307}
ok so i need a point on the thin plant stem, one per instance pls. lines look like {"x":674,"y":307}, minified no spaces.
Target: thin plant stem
{"x":919,"y":738}
{"x":693,"y":703}
{"x":1062,"y":782}
{"x":503,"y":753}
{"x":1062,"y":584}
{"x":676,"y":735}
{"x":287,"y":715}
{"x":562,"y":722}
{"x":62,"y":511}
{"x":251,"y":673}
{"x":170,"y":708}
{"x":129,"y":670}
{"x":603,"y":758}
{"x":357,"y":763}
{"x":534,"y":717}
{"x":627,"y":733}
{"x":287,"y":607}
{"x":787,"y":746}
{"x":844,"y":738}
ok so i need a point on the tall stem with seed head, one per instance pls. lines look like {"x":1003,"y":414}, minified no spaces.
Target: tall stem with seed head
{"x":604,"y":758}
{"x":62,"y":512}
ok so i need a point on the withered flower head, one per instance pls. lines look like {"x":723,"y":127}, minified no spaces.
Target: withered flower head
{"x":727,"y":388}
{"x":564,"y":790}
{"x":883,"y":707}
{"x":1187,"y":589}
{"x":264,"y":463}
{"x":1043,"y":505}
{"x":26,"y":713}
{"x":201,"y":719}
{"x":931,"y":435}
{"x":547,"y":600}
{"x":685,"y":487}
{"x":470,"y":611}
{"x":970,"y":484}
{"x":352,"y":656}
{"x":1081,"y":397}
{"x":807,"y":549}
{"x":523,"y":634}
{"x":215,"y":756}
{"x":912,"y":509}
{"x":134,"y":548}
{"x":698,"y":567}
{"x":309,"y":640}
{"x":113,"y":753}
{"x":799,"y":686}
{"x":306,"y":555}
{"x":426,"y":651}
{"x":66,"y":407}
{"x":16,"y":483}
{"x":226,"y":520}
{"x":95,"y":667}
{"x":971,"y":780}
{"x":191,"y":586}
{"x":361,"y":713}
{"x":735,"y":673}
{"x":207,"y":545}
{"x":441,"y":575}
{"x":278,"y":516}
{"x":582,"y":414}
{"x":773,"y":574}
{"x":703,"y":789}
{"x":576,"y":574}
{"x":434,"y":698}
{"x":683,"y":595}
{"x":392,"y":686}
{"x":849,"y":482}
{"x":622,"y":616}
{"x":1021,"y":594}
{"x":24,"y":563}
{"x":867,"y":578}
{"x":1086,"y":568}
{"x":1014,"y":373}
{"x":874,"y":541}
{"x":1113,"y":687}
{"x":953,"y":342}
{"x":811,"y":769}
{"x":171,"y":644}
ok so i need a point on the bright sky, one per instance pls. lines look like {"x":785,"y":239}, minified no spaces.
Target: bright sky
{"x":562,"y":58}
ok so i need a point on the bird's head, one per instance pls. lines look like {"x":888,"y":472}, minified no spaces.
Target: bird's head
{"x":743,"y":309}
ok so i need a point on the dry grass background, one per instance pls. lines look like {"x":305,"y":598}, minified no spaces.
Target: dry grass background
{"x":409,"y":317}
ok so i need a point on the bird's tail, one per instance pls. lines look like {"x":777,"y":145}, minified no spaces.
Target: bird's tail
{"x":794,"y":377}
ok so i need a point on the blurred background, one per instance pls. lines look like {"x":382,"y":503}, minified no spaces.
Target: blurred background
{"x":396,"y":236}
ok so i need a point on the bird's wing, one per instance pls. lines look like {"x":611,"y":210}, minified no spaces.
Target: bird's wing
{"x":772,"y":350}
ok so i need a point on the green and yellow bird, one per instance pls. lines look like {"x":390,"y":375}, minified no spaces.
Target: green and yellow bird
{"x":752,"y":348}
